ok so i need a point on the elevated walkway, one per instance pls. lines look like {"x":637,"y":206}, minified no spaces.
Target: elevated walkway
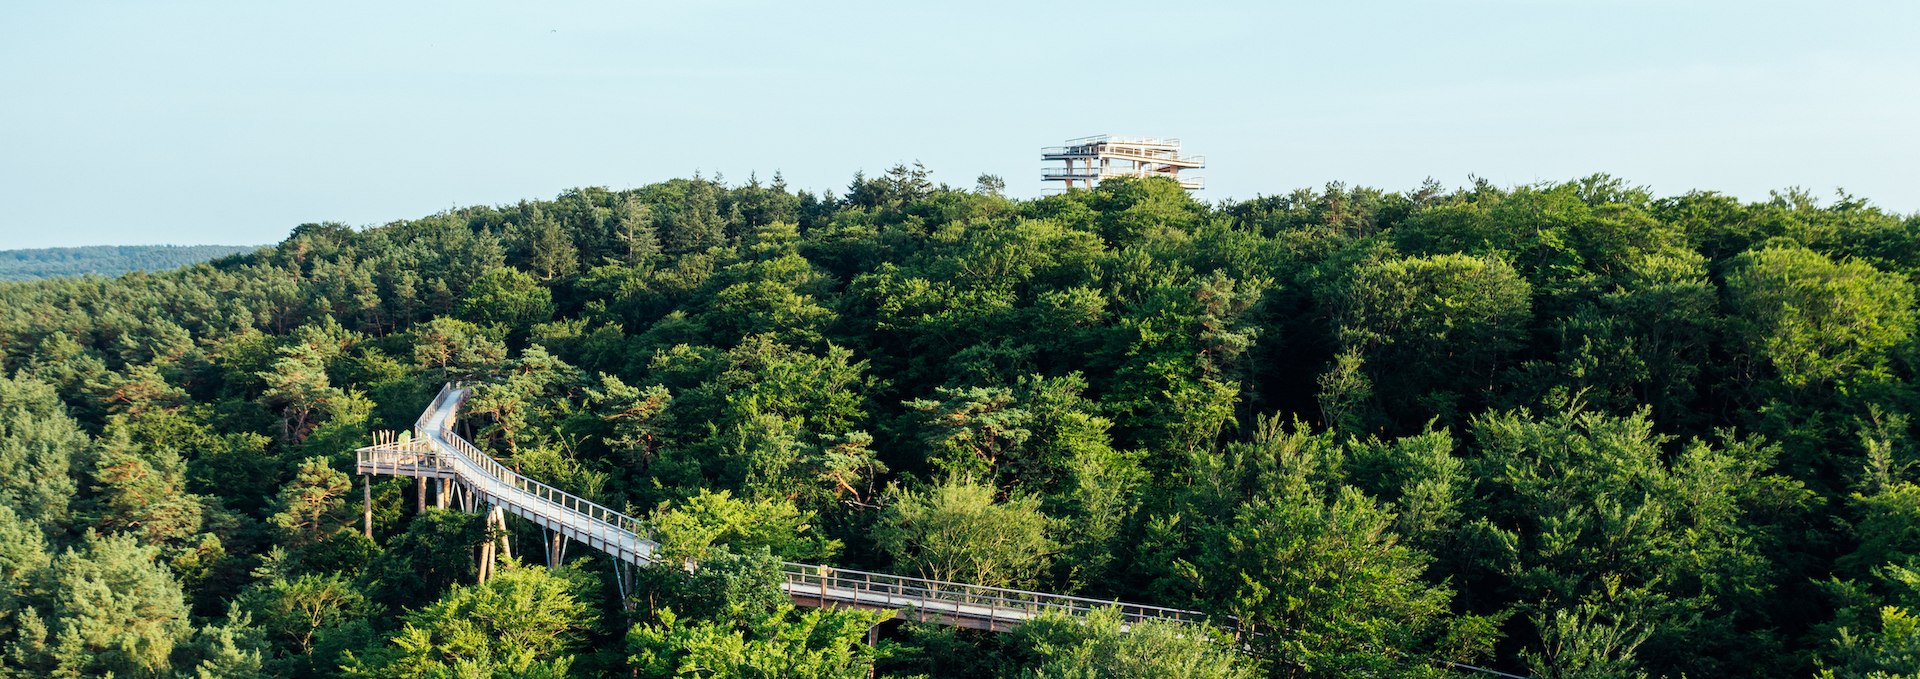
{"x":435,"y":452}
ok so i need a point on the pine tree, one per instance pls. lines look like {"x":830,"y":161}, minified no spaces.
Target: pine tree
{"x":695,"y":224}
{"x":633,"y":222}
{"x":142,"y":493}
{"x":312,"y":507}
{"x":37,"y":444}
{"x":109,"y":606}
{"x":553,"y":253}
{"x":230,"y":649}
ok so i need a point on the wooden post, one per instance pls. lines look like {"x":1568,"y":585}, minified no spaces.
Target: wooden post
{"x":366,"y":496}
{"x":420,"y":495}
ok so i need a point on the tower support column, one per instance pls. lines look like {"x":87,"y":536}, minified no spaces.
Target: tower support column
{"x":366,"y":500}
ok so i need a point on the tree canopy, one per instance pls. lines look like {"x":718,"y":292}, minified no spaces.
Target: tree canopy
{"x":1570,"y":429}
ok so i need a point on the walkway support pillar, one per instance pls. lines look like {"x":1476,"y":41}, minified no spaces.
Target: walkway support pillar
{"x":366,"y":498}
{"x":486,"y":554}
{"x":499,"y":518}
{"x":420,"y":495}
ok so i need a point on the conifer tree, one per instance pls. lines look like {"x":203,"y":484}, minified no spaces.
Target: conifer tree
{"x":38,"y":443}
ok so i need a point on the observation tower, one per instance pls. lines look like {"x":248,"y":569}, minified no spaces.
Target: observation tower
{"x":1091,"y":159}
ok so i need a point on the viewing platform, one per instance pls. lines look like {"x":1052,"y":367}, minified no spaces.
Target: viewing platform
{"x":1089,"y":160}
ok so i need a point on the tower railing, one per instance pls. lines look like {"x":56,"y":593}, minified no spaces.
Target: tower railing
{"x":1080,"y":152}
{"x":1123,"y":139}
{"x":1097,"y":174}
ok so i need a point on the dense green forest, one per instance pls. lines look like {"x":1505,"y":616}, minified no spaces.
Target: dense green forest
{"x":107,"y":260}
{"x":1562,"y":430}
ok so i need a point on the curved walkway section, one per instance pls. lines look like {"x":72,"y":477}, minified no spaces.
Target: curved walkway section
{"x":436,"y":452}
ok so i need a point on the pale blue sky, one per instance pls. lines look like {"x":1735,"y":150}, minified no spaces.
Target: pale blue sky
{"x":231,"y":122}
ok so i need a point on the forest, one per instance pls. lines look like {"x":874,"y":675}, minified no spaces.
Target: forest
{"x":106,"y":260}
{"x":1561,"y":430}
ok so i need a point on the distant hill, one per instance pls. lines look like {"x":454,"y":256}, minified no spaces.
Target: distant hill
{"x":107,"y":260}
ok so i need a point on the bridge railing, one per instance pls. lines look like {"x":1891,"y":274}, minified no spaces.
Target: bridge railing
{"x":956,"y":598}
{"x":443,"y":449}
{"x":513,"y":480}
{"x":420,"y":423}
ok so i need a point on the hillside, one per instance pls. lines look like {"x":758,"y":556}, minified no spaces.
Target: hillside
{"x":1569,"y":429}
{"x":107,"y":260}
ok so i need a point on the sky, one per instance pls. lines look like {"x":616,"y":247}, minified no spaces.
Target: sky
{"x":233,"y":122}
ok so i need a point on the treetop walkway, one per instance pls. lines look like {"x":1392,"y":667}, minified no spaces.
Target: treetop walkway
{"x":471,"y":479}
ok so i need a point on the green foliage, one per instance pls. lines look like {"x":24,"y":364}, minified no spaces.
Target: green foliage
{"x":231,"y":649}
{"x":300,"y":389}
{"x":768,"y":296}
{"x":1324,"y":585}
{"x":106,"y":607}
{"x":432,"y":555}
{"x":38,"y":443}
{"x":771,"y":414}
{"x":1585,"y":642}
{"x":1082,"y":479}
{"x":506,"y":297}
{"x":691,"y":219}
{"x":1646,"y":341}
{"x":293,"y":611}
{"x":693,"y":528}
{"x":552,"y":254}
{"x":142,"y":493}
{"x":633,"y":415}
{"x":1436,"y":328}
{"x":1184,"y":344}
{"x":1315,"y":410}
{"x":23,"y":551}
{"x":1814,"y":320}
{"x":724,"y":586}
{"x":971,"y":429}
{"x":522,"y":408}
{"x":956,"y":531}
{"x":456,"y":347}
{"x":1890,"y":652}
{"x":312,"y":507}
{"x":728,"y":618}
{"x":1103,"y":645}
{"x":815,"y":644}
{"x":525,"y":621}
{"x":1593,"y":511}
